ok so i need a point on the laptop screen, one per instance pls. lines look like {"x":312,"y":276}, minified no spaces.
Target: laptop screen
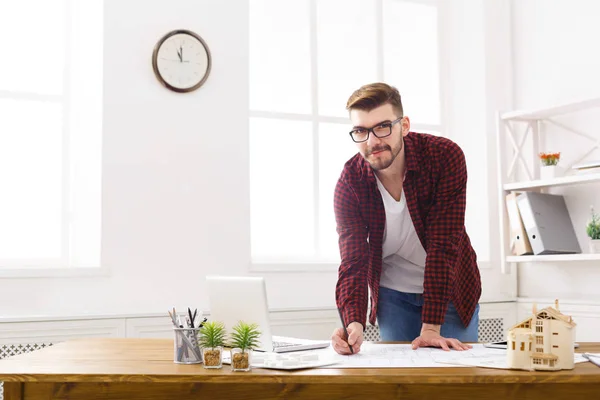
{"x":233,"y":299}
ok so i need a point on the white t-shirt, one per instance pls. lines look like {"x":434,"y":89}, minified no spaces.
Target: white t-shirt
{"x":403,"y":266}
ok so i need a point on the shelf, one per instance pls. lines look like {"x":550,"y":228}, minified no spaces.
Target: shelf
{"x":555,"y":257}
{"x":545,"y":113}
{"x":561,"y":181}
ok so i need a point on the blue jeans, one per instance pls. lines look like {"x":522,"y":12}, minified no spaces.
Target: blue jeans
{"x":399,"y":318}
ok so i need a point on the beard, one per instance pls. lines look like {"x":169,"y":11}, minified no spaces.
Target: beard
{"x":386,"y":156}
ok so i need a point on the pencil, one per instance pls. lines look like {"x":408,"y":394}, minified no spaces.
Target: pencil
{"x":345,"y":330}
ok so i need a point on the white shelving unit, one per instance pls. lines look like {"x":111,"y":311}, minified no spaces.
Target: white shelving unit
{"x":507,"y":130}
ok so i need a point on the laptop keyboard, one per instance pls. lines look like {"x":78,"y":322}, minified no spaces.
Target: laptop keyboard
{"x":283,"y":344}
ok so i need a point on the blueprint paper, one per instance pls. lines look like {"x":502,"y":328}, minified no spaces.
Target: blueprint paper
{"x":403,"y":356}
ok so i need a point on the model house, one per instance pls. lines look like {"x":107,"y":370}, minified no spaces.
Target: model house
{"x":543,"y":341}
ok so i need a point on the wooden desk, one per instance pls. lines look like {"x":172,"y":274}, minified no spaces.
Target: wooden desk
{"x":143,"y":369}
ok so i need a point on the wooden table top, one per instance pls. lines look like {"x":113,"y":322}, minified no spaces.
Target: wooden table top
{"x":151,"y":360}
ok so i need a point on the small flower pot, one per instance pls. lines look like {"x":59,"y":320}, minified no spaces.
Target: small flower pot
{"x":241,"y":360}
{"x":212,"y":357}
{"x":595,"y":246}
{"x":549,"y":171}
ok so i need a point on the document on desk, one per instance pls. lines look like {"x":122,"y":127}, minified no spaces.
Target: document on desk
{"x":373,"y":355}
{"x":498,"y":360}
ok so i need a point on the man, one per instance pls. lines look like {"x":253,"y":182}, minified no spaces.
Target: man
{"x":400,"y":209}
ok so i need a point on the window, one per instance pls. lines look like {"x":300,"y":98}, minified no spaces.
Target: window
{"x":537,"y":361}
{"x":50,"y":133}
{"x":529,"y":346}
{"x":539,"y":340}
{"x":522,"y":346}
{"x":300,"y":80}
{"x":513,"y":345}
{"x":555,"y":333}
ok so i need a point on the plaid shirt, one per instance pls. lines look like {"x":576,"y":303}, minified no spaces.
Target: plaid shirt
{"x":435,"y":189}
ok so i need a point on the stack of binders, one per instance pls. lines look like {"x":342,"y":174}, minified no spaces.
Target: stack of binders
{"x":546,"y":221}
{"x":519,"y":242}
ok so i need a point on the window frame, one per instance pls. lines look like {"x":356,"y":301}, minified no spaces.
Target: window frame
{"x":319,"y":264}
{"x":60,"y":266}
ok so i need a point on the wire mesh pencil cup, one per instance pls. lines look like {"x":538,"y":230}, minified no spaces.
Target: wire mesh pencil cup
{"x":186,"y":349}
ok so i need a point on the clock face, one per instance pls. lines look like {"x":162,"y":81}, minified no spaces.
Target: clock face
{"x":181,"y":61}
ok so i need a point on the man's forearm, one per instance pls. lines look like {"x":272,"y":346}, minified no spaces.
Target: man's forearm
{"x":431,"y":327}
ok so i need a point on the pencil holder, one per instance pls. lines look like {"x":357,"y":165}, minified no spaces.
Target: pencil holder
{"x":186,"y":349}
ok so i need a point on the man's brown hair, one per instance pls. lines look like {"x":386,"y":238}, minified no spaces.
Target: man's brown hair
{"x":373,"y":95}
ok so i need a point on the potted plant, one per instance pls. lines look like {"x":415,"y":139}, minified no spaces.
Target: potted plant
{"x":211,"y":339}
{"x":593,"y":231}
{"x":549,"y":165}
{"x":244,"y":339}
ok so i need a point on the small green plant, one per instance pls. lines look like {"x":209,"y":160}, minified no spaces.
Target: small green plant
{"x":593,"y":227}
{"x":245,"y":336}
{"x":212,"y":334}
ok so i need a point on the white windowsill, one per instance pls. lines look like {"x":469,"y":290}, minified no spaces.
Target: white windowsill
{"x":286,"y":267}
{"x":56,"y":272}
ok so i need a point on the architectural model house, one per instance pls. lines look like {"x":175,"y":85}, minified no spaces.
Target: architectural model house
{"x":543,"y":341}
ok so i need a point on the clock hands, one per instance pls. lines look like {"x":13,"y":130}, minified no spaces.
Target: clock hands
{"x":180,"y":54}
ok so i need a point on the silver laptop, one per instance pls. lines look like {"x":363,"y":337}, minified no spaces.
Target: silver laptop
{"x":233,"y":299}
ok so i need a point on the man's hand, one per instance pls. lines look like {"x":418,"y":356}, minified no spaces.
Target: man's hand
{"x":355,"y":339}
{"x":430,"y":337}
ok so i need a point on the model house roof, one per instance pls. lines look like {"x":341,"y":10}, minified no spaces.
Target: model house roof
{"x":547,"y":313}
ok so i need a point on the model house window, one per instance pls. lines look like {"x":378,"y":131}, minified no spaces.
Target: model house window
{"x":539,"y":350}
{"x":513,"y":345}
{"x":539,"y":328}
{"x":522,"y":346}
{"x":555,"y":333}
{"x":539,"y":340}
{"x":300,"y":80}
{"x":51,"y":124}
{"x":536,"y":361}
{"x":529,"y":346}
{"x":554,"y":346}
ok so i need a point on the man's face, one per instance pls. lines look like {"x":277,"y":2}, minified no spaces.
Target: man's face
{"x":379,"y":152}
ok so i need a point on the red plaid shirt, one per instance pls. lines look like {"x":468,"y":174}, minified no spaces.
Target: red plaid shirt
{"x":435,"y":189}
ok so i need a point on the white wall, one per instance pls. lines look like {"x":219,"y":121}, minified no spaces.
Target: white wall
{"x":175,"y":167}
{"x":175,"y":176}
{"x":556,"y":61}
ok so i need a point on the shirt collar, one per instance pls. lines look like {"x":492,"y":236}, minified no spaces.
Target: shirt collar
{"x":410,"y":152}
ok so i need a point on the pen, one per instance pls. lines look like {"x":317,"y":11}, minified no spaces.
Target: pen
{"x":592,"y":358}
{"x":191,"y":323}
{"x":345,"y":330}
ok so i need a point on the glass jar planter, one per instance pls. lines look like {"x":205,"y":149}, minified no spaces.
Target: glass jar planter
{"x":212,"y":357}
{"x":241,"y":360}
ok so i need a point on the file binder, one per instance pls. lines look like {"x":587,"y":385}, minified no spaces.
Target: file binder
{"x":519,"y":241}
{"x":548,"y":224}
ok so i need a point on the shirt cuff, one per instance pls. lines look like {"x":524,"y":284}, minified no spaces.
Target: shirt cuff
{"x":434,"y":312}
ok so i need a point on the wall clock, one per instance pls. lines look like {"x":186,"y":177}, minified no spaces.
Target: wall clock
{"x":181,"y":61}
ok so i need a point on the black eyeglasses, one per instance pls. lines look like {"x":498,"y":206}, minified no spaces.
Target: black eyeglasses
{"x":382,"y":130}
